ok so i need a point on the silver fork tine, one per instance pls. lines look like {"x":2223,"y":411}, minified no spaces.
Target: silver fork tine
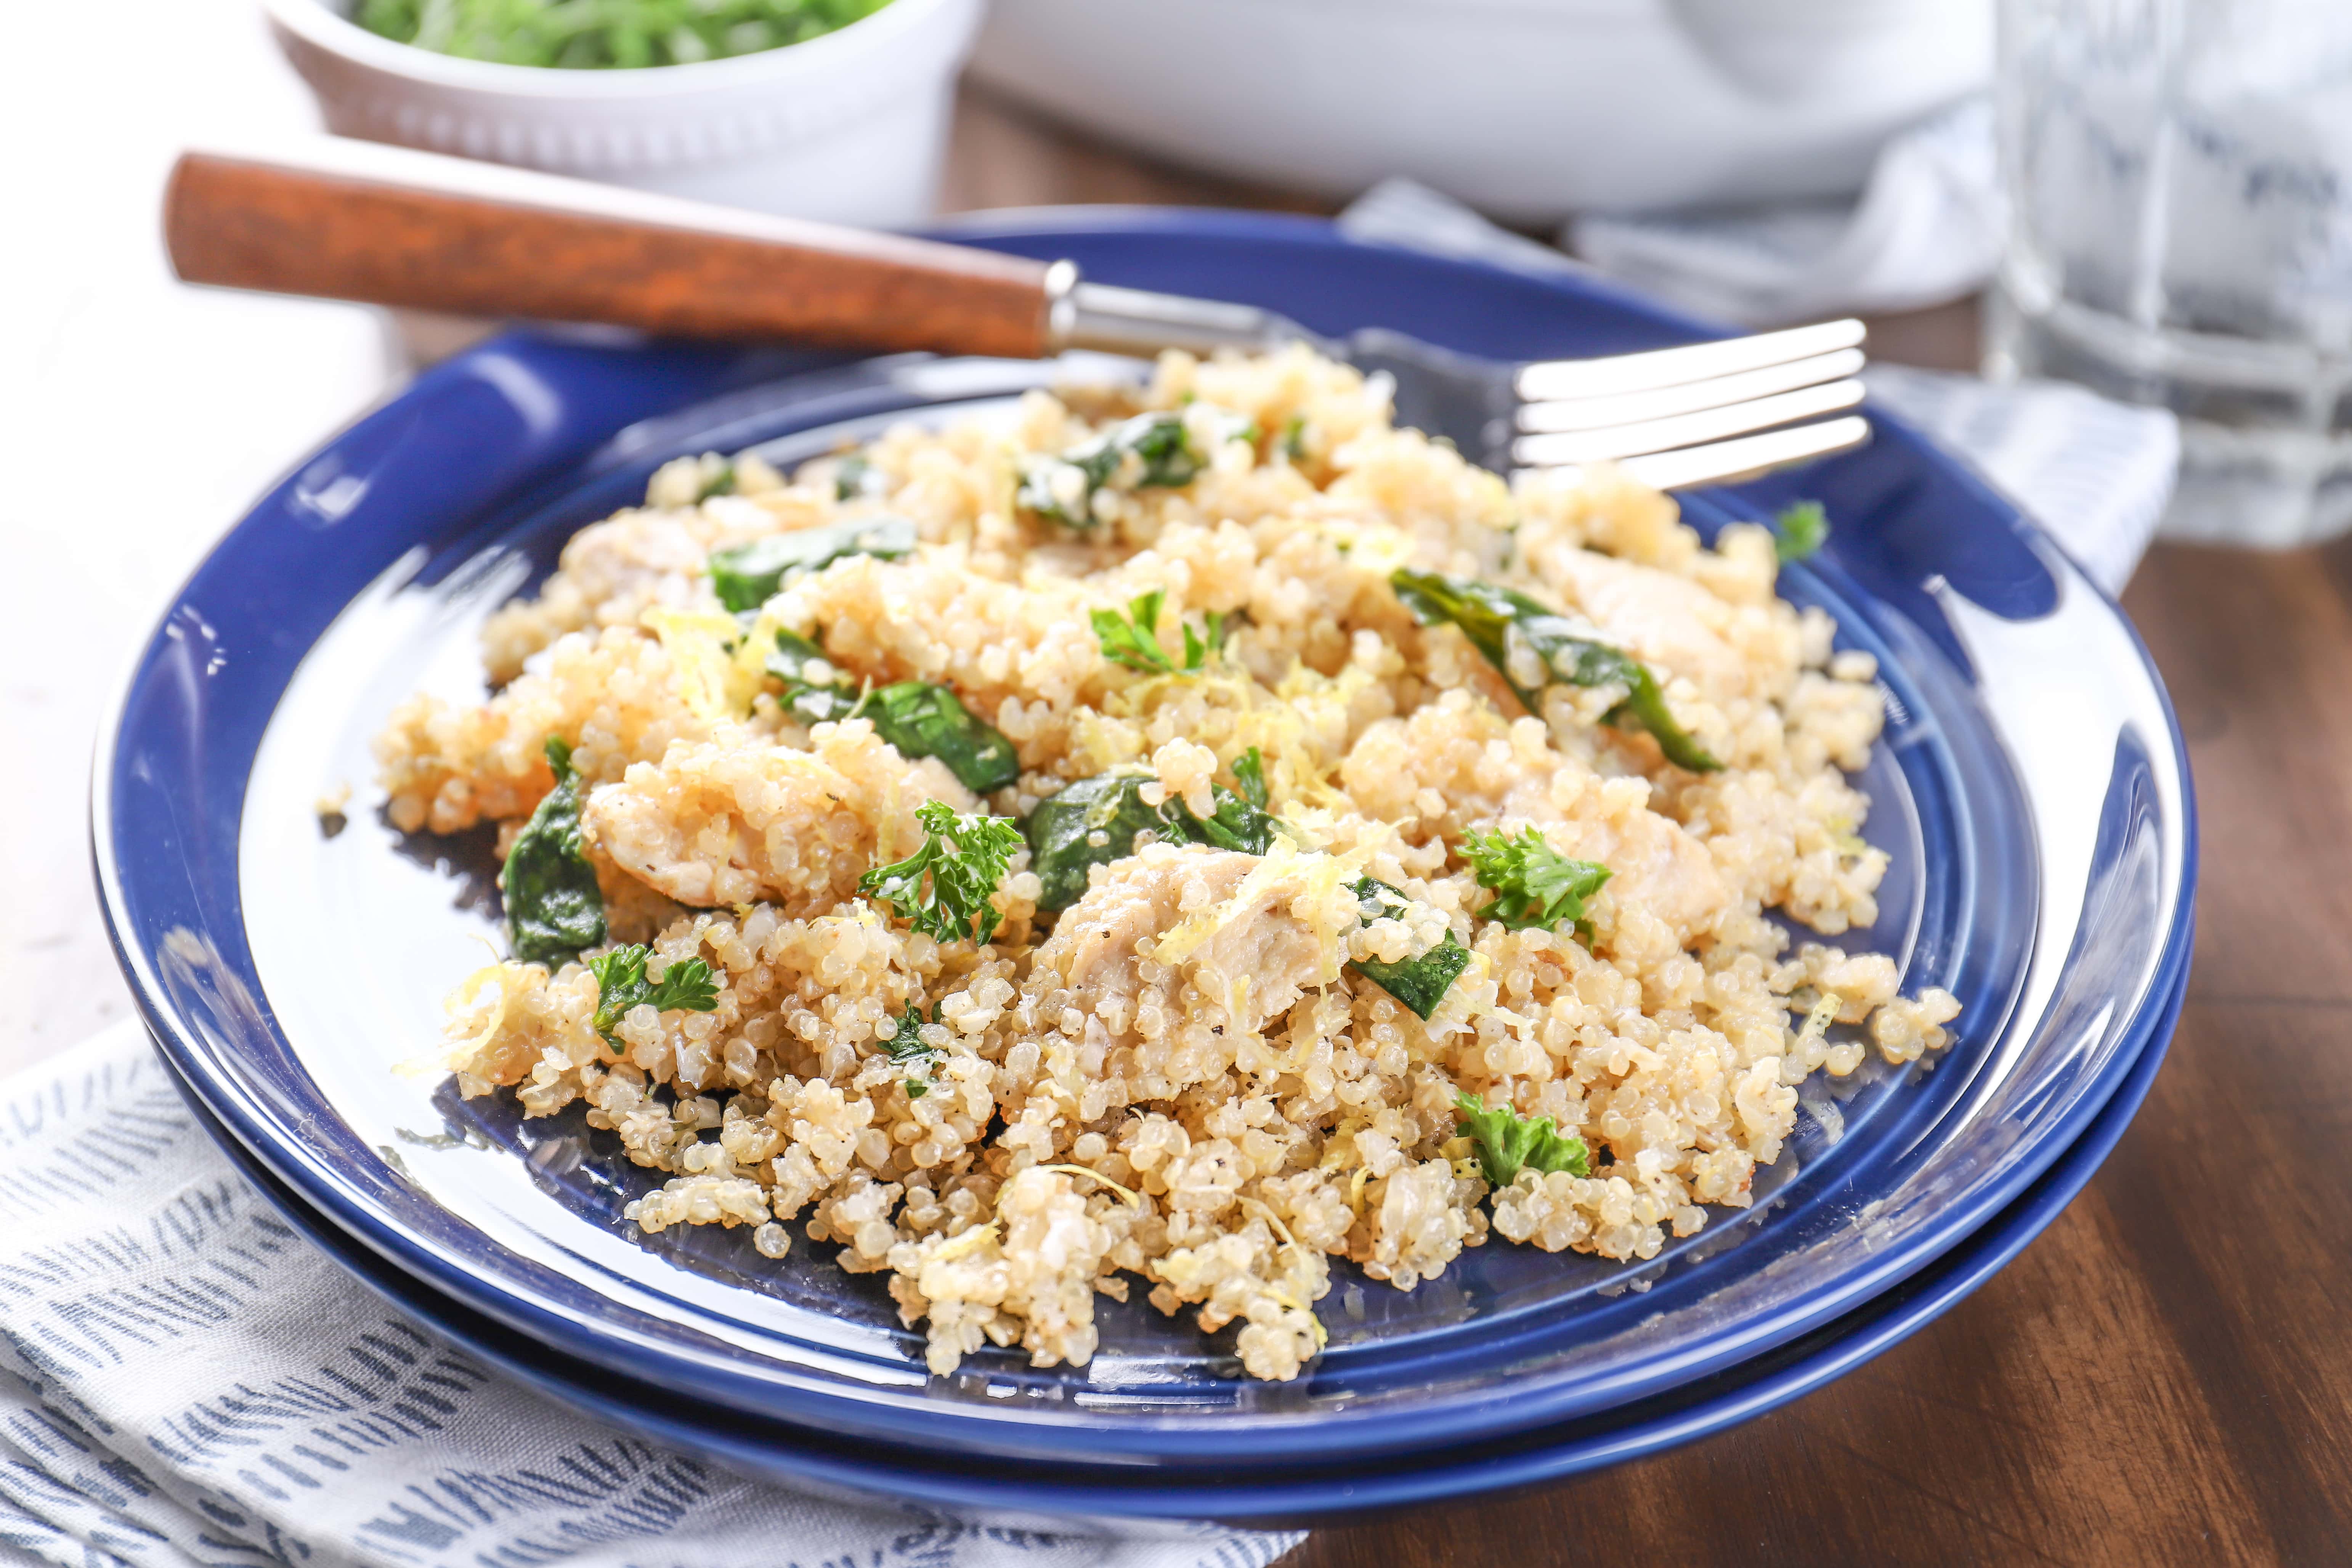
{"x":1684,"y":429}
{"x":1691,"y":397}
{"x":1547,"y":381}
{"x":1723,"y":462}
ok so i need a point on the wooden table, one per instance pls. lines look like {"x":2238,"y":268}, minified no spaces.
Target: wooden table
{"x":2153,"y":1381}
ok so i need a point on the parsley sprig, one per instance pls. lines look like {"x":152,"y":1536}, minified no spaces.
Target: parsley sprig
{"x":909,"y":1049}
{"x":1802,"y":528}
{"x":687,"y":985}
{"x":964,"y":856}
{"x":1535,"y":885}
{"x":1510,"y":1143}
{"x":1133,"y":640}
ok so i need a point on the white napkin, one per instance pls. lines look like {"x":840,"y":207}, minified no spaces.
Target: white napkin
{"x":1927,"y":228}
{"x":184,"y":1381}
{"x":2094,"y":472}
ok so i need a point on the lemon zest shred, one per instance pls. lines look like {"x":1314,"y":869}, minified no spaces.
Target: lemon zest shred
{"x":703,"y":647}
{"x":1322,"y":875}
{"x":1283,"y":1298}
{"x":453,"y":1058}
{"x":1824,"y":1013}
{"x":1134,"y":1199}
{"x":964,"y":1242}
{"x":1271,"y":1218}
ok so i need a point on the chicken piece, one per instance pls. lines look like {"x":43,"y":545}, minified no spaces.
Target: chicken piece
{"x":714,"y":823}
{"x":1250,"y":934}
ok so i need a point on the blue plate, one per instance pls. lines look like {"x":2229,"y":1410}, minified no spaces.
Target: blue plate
{"x":1117,"y":1496}
{"x":2032,"y":791}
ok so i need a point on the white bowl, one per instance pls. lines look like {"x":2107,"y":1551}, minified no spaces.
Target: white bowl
{"x":847,"y":127}
{"x":1529,"y":109}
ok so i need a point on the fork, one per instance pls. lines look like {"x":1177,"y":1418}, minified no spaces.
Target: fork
{"x":389,"y":225}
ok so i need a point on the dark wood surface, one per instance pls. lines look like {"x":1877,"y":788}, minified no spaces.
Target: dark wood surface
{"x":2165,"y":1375}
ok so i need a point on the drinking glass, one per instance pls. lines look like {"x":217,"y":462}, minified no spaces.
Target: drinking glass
{"x":2179,"y":177}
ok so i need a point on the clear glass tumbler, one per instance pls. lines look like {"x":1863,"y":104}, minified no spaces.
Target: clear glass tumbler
{"x":2179,"y":175}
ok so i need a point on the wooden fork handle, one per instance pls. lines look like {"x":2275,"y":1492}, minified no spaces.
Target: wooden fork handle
{"x":358,"y":220}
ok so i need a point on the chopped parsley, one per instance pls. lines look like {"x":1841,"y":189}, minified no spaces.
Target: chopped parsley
{"x":906,"y":1049}
{"x":1498,"y":621}
{"x":554,"y":907}
{"x":1249,"y":777}
{"x":1802,"y":528}
{"x":686,"y":986}
{"x":1510,"y":1143}
{"x":1133,"y":638}
{"x":944,"y":889}
{"x":1535,"y":885}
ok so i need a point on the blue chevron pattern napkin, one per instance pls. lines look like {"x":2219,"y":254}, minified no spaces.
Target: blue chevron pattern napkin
{"x":186,"y":1381}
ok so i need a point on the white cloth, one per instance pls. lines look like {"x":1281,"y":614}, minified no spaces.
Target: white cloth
{"x":184,"y":1380}
{"x":1927,"y":228}
{"x":2095,"y":473}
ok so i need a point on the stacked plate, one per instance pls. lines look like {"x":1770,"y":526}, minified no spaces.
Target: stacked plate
{"x":2030,"y":791}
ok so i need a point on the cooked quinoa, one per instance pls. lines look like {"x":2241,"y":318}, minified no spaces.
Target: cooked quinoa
{"x":1185,"y":1077}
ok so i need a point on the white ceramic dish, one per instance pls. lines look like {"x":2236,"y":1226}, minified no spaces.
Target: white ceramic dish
{"x":848,"y":127}
{"x":1529,"y":109}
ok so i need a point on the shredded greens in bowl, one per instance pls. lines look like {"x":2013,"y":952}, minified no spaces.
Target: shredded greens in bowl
{"x":603,"y":34}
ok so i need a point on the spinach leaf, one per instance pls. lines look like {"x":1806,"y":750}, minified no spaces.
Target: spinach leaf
{"x":1497,"y":619}
{"x":1161,"y":442}
{"x":1062,"y":489}
{"x":1149,"y":451}
{"x":1091,"y":823}
{"x":926,"y":720}
{"x":812,"y":702}
{"x":922,"y":720}
{"x":553,"y":907}
{"x":687,"y":985}
{"x":1419,"y":982}
{"x":745,"y":576}
{"x":1098,"y":820}
{"x":1236,"y":824}
{"x":1510,"y":1143}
